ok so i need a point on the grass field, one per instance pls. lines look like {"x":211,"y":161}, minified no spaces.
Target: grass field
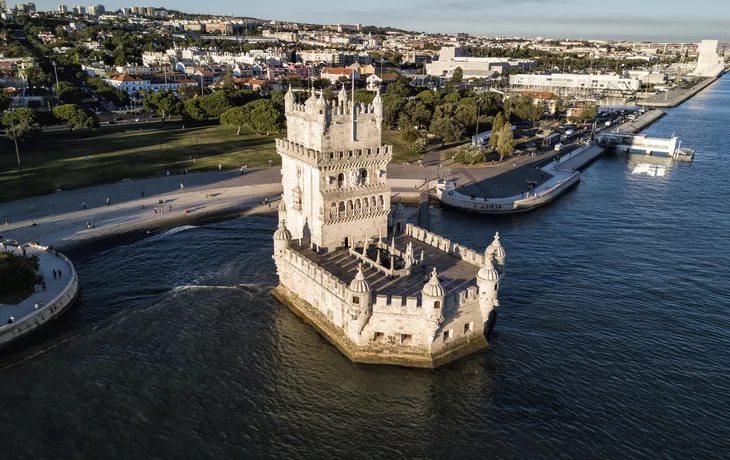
{"x":56,"y":161}
{"x":401,"y":150}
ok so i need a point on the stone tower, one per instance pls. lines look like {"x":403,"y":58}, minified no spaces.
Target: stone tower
{"x":334,"y":170}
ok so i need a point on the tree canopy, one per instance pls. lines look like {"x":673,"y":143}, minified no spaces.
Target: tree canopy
{"x":76,"y":116}
{"x":19,"y":123}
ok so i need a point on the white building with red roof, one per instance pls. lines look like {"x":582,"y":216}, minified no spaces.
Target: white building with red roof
{"x":129,"y":83}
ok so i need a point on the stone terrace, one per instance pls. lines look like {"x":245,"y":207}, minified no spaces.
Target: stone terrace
{"x":454,"y":273}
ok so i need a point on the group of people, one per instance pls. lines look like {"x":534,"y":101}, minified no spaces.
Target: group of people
{"x":161,"y":209}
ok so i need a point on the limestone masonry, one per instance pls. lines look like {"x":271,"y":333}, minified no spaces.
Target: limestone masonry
{"x":380,"y":290}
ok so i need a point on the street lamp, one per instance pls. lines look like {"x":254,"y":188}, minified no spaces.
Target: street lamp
{"x":55,"y":71}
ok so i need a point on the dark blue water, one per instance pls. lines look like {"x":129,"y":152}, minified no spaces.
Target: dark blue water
{"x":613,"y":339}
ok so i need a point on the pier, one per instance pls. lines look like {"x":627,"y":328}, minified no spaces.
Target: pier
{"x":632,"y":143}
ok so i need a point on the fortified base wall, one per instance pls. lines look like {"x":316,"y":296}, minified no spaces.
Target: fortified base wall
{"x":36,"y":319}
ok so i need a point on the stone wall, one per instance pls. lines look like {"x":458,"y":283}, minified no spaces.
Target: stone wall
{"x":43,"y":315}
{"x":445,"y":244}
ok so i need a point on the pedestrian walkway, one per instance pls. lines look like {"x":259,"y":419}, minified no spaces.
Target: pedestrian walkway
{"x":54,"y":286}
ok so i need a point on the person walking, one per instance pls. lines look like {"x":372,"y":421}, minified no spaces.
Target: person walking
{"x":142,"y":193}
{"x":170,"y":208}
{"x":83,"y":205}
{"x":60,"y":275}
{"x":108,"y":201}
{"x":43,"y":286}
{"x":6,"y":221}
{"x":181,"y":186}
{"x":54,"y":273}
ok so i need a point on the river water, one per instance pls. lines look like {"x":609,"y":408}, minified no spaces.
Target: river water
{"x":613,"y":339}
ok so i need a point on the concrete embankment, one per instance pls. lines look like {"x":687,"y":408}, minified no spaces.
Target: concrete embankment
{"x":42,"y":307}
{"x":676,"y":97}
{"x":563,"y":173}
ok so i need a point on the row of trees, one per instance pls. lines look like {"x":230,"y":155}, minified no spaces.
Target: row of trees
{"x":237,"y":108}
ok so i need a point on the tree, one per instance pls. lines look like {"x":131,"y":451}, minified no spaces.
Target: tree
{"x":364,"y":96}
{"x":194,"y":111}
{"x":187,"y":92}
{"x":414,"y":115}
{"x":69,"y":93}
{"x":215,"y":104}
{"x":263,"y":116}
{"x":430,"y":98}
{"x":411,"y":135}
{"x":446,"y":129}
{"x":458,"y":75}
{"x":392,"y":105}
{"x":469,"y":154}
{"x":4,"y":100}
{"x":321,"y":83}
{"x":76,"y":116}
{"x":163,"y":103}
{"x":506,"y":143}
{"x":496,"y":129}
{"x":235,"y":116}
{"x":277,"y":97}
{"x":18,"y":123}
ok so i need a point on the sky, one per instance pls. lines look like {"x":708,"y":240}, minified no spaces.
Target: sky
{"x":656,"y":20}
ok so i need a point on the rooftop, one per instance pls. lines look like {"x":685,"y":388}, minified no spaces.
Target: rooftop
{"x":454,"y":273}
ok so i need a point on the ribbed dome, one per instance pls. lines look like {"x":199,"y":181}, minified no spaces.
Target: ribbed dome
{"x":321,"y":100}
{"x":433,"y":287}
{"x":398,"y":212}
{"x":359,"y":284}
{"x":311,"y":100}
{"x":487,"y":272}
{"x":377,"y":99}
{"x":290,"y":93}
{"x":282,"y":206}
{"x":496,"y":247}
{"x":282,"y":233}
{"x":342,"y":95}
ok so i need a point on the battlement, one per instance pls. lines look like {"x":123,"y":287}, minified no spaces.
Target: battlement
{"x":445,"y":245}
{"x":379,"y":155}
{"x":411,"y":305}
{"x":316,"y":273}
{"x":331,"y":109}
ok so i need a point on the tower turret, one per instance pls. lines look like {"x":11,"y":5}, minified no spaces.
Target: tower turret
{"x":497,"y":251}
{"x":360,"y":304}
{"x":378,"y":108}
{"x":342,"y":96}
{"x":432,"y":300}
{"x":289,"y":100}
{"x":488,"y":283}
{"x":282,"y":239}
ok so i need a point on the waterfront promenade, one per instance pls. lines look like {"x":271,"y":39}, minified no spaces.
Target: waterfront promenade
{"x":41,"y":307}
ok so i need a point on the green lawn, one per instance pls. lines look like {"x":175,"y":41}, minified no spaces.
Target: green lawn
{"x":54,"y":161}
{"x":401,"y":150}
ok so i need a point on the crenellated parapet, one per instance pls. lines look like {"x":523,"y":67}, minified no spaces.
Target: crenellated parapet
{"x":335,"y":159}
{"x":445,"y":244}
{"x":314,"y":272}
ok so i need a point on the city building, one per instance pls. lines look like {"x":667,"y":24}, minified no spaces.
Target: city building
{"x":224,"y":28}
{"x":333,"y":74}
{"x":352,"y":267}
{"x":27,"y":8}
{"x":77,"y":9}
{"x":96,"y":10}
{"x":565,"y":83}
{"x":63,"y":9}
{"x":452,"y":57}
{"x":130,"y":83}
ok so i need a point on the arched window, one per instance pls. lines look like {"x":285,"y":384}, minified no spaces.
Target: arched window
{"x":342,"y":206}
{"x":349,"y":205}
{"x":380,"y":202}
{"x":365,"y":204}
{"x":333,"y":209}
{"x":372,"y":203}
{"x":357,"y":205}
{"x":340,"y":180}
{"x":364,"y":177}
